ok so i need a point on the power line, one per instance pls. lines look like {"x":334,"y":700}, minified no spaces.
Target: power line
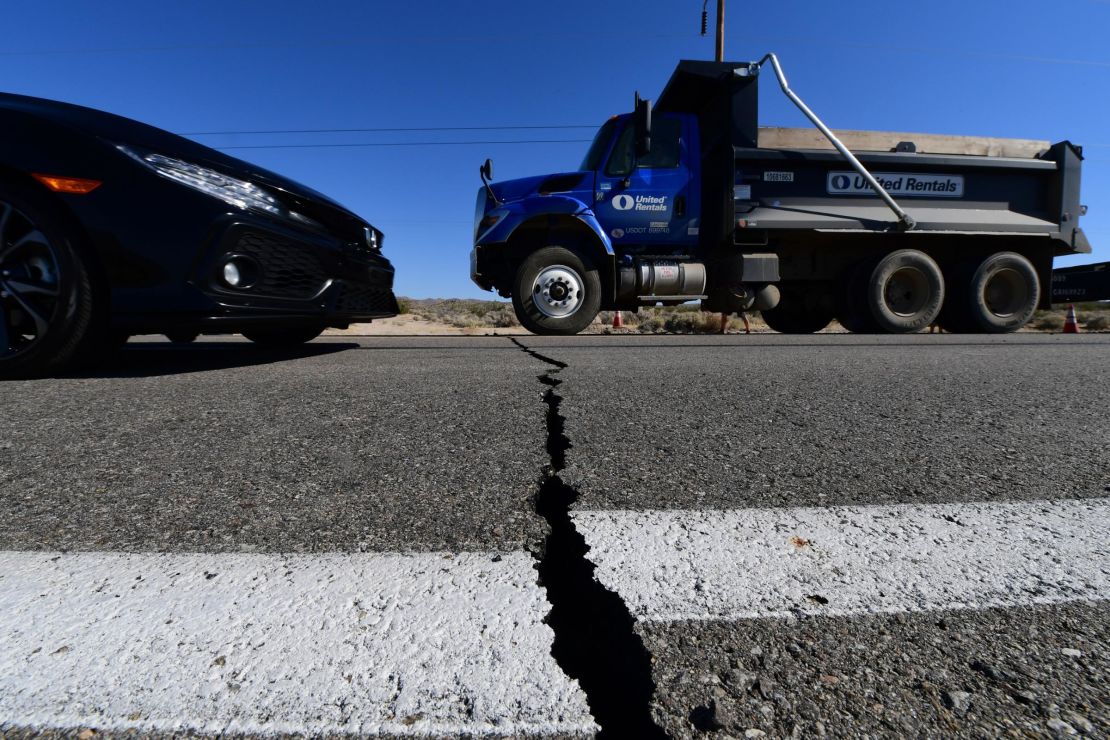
{"x":403,"y":143}
{"x":391,"y":39}
{"x":386,"y":130}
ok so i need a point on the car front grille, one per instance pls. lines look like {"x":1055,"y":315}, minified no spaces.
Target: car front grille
{"x":361,"y":299}
{"x":288,"y":270}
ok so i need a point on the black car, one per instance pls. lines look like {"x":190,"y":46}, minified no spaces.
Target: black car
{"x":110,"y":228}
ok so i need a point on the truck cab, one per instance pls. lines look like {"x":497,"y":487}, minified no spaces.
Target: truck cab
{"x":692,"y":201}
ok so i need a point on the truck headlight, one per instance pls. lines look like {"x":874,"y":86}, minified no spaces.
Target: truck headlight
{"x":239,"y":193}
{"x":488,"y":221}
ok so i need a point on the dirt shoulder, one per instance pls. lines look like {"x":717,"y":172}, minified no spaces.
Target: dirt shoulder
{"x":467,"y":317}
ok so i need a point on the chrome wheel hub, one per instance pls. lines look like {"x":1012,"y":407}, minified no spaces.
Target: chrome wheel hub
{"x":557,"y":292}
{"x":1006,"y":293}
{"x":907,"y":292}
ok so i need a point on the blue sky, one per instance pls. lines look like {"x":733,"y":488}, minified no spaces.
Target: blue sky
{"x":1018,"y":68}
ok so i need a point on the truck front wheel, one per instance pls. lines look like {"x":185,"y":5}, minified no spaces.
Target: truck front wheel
{"x":556,"y":292}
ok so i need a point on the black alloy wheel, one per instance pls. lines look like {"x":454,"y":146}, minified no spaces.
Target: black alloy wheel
{"x":46,"y":297}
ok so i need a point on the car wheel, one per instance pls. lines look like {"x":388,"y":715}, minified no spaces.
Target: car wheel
{"x":556,"y":292}
{"x":801,"y":310}
{"x":48,"y":316}
{"x":1003,"y":293}
{"x":905,"y":291}
{"x":182,"y":337}
{"x":284,"y":337}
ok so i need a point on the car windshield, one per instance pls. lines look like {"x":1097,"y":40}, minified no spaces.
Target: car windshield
{"x":597,"y":149}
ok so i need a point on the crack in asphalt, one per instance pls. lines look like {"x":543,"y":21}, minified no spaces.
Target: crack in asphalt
{"x":595,"y":640}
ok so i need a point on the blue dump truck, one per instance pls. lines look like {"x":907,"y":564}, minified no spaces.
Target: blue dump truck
{"x":691,"y":200}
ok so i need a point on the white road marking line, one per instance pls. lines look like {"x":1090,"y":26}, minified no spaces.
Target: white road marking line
{"x":340,"y":643}
{"x":754,"y":563}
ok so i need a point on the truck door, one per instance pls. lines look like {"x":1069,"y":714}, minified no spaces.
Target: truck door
{"x":649,"y":200}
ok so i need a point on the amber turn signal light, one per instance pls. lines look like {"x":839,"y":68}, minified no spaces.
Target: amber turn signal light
{"x":73,"y":185}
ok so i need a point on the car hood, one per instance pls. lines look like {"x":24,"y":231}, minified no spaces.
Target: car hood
{"x":119,"y":130}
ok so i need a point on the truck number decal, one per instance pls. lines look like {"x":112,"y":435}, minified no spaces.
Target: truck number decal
{"x":897,"y":184}
{"x":778,"y":177}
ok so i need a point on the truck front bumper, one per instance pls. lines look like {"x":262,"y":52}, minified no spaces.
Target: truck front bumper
{"x":477,"y":255}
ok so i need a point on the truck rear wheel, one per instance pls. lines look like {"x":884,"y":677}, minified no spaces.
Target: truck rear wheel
{"x":556,"y":292}
{"x":853,"y":312}
{"x":801,"y":310}
{"x":905,"y":291}
{"x":1003,"y":294}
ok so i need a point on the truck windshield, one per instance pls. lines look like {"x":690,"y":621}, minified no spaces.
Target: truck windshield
{"x":597,"y":149}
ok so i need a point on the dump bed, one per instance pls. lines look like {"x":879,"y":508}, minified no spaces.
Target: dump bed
{"x":797,"y":187}
{"x":795,"y":179}
{"x":771,"y":137}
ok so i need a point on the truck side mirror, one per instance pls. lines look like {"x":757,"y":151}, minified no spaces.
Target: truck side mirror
{"x":642,"y":121}
{"x":486,"y":171}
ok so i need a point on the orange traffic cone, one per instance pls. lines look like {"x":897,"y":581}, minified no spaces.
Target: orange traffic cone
{"x":1071,"y":326}
{"x":618,"y":320}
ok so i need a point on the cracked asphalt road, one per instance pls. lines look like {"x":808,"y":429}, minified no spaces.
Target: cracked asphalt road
{"x":752,"y":422}
{"x":427,"y":445}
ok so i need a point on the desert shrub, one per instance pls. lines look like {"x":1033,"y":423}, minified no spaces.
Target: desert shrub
{"x":1048,"y":321}
{"x":679,"y":323}
{"x":1099,"y":322}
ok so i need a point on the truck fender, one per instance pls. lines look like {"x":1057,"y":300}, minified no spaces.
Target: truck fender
{"x":520,"y":212}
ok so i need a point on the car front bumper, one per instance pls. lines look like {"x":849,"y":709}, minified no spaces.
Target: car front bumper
{"x":299,"y":279}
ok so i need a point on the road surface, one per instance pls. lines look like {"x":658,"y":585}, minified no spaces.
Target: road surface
{"x":694,"y":536}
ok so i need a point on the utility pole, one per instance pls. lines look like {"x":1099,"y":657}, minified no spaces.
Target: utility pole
{"x":721,"y":58}
{"x":720,"y":30}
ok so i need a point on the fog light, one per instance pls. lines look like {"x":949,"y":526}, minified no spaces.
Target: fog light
{"x":232,"y":275}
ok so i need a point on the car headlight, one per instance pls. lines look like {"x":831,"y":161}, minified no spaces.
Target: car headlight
{"x":239,"y":193}
{"x":373,"y":238}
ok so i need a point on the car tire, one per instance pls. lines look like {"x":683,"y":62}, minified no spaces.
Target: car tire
{"x":182,"y":337}
{"x":1003,"y":294}
{"x":277,"y":338}
{"x":905,"y":292}
{"x":801,"y":310}
{"x":50,"y":318}
{"x":556,"y":291}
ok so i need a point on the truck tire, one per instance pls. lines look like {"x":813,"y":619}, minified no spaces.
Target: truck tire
{"x":853,"y":312}
{"x":801,"y":310}
{"x":1003,"y":294}
{"x":556,"y":292}
{"x":905,"y":291}
{"x":49,"y":313}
